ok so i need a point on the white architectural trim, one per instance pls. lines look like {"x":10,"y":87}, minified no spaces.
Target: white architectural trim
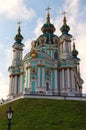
{"x":28,"y":77}
{"x":20,"y":84}
{"x":72,"y":80}
{"x":15,"y":84}
{"x":39,"y":76}
{"x":68,"y":78}
{"x":63,"y":83}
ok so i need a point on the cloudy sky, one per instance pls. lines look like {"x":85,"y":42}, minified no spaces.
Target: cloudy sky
{"x":32,"y":14}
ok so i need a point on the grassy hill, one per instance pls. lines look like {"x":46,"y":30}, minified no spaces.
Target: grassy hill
{"x":45,"y":114}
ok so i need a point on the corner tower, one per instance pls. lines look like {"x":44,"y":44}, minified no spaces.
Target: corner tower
{"x":16,"y":69}
{"x":70,"y":81}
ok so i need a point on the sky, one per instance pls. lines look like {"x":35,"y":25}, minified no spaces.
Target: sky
{"x":32,"y":14}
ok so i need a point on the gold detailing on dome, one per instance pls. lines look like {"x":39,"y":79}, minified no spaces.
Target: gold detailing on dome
{"x":40,"y":65}
{"x":56,"y":40}
{"x":42,"y":40}
{"x":33,"y":53}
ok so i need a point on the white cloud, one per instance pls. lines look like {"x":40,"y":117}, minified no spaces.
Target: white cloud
{"x":81,"y":47}
{"x":27,"y":46}
{"x":15,"y":9}
{"x":6,"y":59}
{"x":78,"y":29}
{"x":37,"y":30}
{"x":3,"y":85}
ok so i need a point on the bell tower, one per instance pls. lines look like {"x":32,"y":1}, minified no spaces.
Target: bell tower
{"x":70,"y":81}
{"x":16,"y":69}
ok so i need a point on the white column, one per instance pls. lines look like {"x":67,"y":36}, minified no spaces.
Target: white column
{"x":20,"y":91}
{"x":68,"y":78}
{"x":56,"y":80}
{"x":72,"y":80}
{"x":60,"y":80}
{"x":43,"y":76}
{"x":38,"y":76}
{"x":69,"y":47}
{"x":63,"y":84}
{"x":10,"y":85}
{"x":15,"y":85}
{"x":61,"y":48}
{"x":48,"y":52}
{"x":10,"y":81}
{"x":28,"y":77}
{"x":64,"y":46}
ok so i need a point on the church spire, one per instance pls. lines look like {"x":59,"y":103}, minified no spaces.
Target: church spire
{"x":19,"y":29}
{"x":64,"y":19}
{"x":65,"y":28}
{"x":48,"y":27}
{"x":48,"y":15}
{"x":74,"y":52}
{"x":18,"y":38}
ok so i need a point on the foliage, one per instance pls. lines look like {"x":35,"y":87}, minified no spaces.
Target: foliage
{"x":45,"y":114}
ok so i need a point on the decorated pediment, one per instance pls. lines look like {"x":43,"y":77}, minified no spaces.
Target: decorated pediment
{"x":33,"y":70}
{"x":56,"y":40}
{"x":33,"y":54}
{"x":42,"y":40}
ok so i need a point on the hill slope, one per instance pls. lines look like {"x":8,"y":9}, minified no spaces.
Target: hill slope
{"x":45,"y":114}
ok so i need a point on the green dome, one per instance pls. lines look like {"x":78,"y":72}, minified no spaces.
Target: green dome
{"x":48,"y":27}
{"x":65,"y":28}
{"x":50,"y":39}
{"x":18,"y":37}
{"x":74,"y":52}
{"x":48,"y":36}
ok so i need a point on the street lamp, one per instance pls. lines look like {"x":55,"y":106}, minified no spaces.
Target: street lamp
{"x":9,"y":113}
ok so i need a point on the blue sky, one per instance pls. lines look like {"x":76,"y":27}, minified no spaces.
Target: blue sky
{"x":32,"y":14}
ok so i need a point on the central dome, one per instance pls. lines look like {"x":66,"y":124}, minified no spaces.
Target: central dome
{"x":48,"y":27}
{"x":48,"y":36}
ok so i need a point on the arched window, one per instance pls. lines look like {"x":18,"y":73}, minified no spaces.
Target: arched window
{"x":55,"y":55}
{"x":47,"y":86}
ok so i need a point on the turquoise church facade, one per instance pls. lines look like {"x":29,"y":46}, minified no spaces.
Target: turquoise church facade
{"x":50,"y":68}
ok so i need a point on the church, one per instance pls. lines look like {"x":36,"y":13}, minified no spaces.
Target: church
{"x":52,"y":66}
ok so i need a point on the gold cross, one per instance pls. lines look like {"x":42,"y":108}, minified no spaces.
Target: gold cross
{"x":48,"y":9}
{"x":19,"y":23}
{"x":64,"y":13}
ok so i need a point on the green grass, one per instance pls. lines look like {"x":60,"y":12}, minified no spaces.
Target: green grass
{"x":45,"y":114}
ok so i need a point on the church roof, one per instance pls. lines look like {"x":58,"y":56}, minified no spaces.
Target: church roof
{"x":74,"y":52}
{"x":48,"y":30}
{"x":48,"y":27}
{"x":18,"y":37}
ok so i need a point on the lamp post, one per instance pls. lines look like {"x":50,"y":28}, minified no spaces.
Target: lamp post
{"x":9,"y":113}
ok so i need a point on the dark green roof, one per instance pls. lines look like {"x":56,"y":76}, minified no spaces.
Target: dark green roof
{"x":18,"y":37}
{"x":48,"y":27}
{"x":65,"y":28}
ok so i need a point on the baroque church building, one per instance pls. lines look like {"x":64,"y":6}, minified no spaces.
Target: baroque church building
{"x":50,"y":68}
